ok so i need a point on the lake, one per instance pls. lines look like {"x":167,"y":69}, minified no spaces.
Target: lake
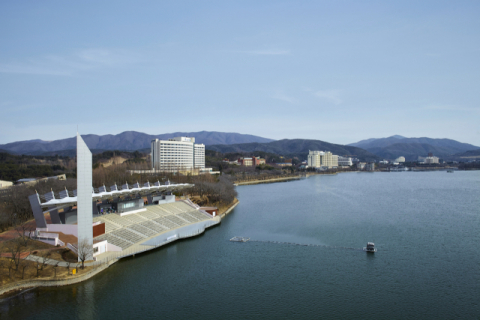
{"x":425,"y":225}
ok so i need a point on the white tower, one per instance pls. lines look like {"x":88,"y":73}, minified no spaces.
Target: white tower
{"x":84,"y":194}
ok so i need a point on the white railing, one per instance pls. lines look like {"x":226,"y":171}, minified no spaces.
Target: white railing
{"x":69,"y":246}
{"x":189,"y":202}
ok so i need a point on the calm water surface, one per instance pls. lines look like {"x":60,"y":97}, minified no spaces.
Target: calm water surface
{"x":426,"y":227}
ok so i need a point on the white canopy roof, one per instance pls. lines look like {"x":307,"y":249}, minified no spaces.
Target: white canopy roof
{"x":103,"y":194}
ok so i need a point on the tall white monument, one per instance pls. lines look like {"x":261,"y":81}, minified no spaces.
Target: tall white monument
{"x":84,"y":194}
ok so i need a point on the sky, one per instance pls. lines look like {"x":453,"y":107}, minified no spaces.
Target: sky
{"x":337,"y":71}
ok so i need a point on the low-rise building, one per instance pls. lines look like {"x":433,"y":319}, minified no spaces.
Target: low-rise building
{"x":249,"y":162}
{"x":431,"y":160}
{"x":259,"y":161}
{"x":361,"y":165}
{"x":32,"y":181}
{"x":370,"y":166}
{"x":4,"y":184}
{"x":284,"y":164}
{"x":400,"y":159}
{"x":246,"y":162}
{"x":343,"y":161}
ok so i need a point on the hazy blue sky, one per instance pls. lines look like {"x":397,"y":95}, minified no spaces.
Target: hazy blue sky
{"x":338,"y":71}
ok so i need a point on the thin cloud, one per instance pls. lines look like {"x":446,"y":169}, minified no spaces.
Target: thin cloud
{"x":57,"y":65}
{"x":329,"y":95}
{"x":283,"y":97}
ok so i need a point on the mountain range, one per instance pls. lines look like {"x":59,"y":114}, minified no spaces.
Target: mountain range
{"x":128,"y":140}
{"x":369,"y":149}
{"x":296,"y":148}
{"x":411,"y":148}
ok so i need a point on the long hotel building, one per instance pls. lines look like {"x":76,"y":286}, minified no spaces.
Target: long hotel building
{"x":177,"y":154}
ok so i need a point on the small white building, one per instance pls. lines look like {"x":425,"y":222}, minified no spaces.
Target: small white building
{"x":431,"y":159}
{"x":344,"y":161}
{"x":400,"y":159}
{"x":4,"y":184}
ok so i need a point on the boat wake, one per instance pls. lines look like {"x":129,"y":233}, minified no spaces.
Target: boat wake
{"x":297,"y":244}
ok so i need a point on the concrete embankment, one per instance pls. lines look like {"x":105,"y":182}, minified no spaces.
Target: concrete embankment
{"x":26,"y":284}
{"x":223,"y":215}
{"x":243,"y":183}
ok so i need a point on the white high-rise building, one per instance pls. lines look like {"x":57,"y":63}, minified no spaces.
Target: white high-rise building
{"x":317,"y":159}
{"x":177,"y":154}
{"x":199,"y":154}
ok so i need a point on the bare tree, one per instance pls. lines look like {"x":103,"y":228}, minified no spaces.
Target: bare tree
{"x":38,"y":264}
{"x":23,"y":266}
{"x":25,"y":232}
{"x":14,"y":247}
{"x":10,"y":268}
{"x":44,"y":257}
{"x":55,"y":266}
{"x":85,"y":251}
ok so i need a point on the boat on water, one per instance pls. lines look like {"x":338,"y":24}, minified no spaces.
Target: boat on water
{"x":239,"y":239}
{"x":450,"y":171}
{"x":370,"y":247}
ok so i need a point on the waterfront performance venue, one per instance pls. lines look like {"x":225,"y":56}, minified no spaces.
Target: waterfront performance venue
{"x":116,"y":222}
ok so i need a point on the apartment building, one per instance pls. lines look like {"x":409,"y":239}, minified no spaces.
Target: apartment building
{"x":318,"y":159}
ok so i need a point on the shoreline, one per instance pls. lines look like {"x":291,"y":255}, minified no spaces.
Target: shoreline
{"x":17,"y":288}
{"x":244,"y":183}
{"x":235,"y":203}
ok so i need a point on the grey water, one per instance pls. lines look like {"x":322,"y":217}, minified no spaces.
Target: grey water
{"x":426,"y":226}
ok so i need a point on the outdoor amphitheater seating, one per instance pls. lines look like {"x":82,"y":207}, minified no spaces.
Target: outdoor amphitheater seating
{"x":124,"y":231}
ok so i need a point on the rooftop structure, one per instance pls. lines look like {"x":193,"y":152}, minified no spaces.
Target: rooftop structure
{"x":67,"y":198}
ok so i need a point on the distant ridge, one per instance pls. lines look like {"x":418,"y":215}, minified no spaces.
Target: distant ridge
{"x":128,"y":140}
{"x":411,"y":148}
{"x":366,"y":142}
{"x":296,"y":148}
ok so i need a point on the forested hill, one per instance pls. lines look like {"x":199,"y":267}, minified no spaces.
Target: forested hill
{"x":296,"y":148}
{"x":128,"y":140}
